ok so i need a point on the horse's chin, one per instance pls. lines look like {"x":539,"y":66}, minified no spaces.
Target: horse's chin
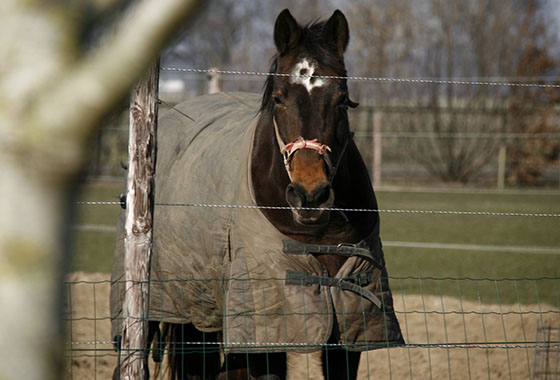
{"x":315,"y":220}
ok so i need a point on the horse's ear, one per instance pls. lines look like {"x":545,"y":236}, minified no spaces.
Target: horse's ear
{"x":336,"y":32}
{"x":287,"y":32}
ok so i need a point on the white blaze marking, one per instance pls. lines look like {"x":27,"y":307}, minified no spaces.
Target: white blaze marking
{"x":307,"y":68}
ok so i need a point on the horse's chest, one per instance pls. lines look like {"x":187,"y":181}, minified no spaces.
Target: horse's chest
{"x":341,"y":232}
{"x":332,"y":263}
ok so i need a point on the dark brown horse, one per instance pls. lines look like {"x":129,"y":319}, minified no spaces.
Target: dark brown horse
{"x":296,"y":110}
{"x":303,"y":159}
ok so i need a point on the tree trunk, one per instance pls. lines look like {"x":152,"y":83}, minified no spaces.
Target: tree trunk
{"x":30,"y":228}
{"x":55,"y":92}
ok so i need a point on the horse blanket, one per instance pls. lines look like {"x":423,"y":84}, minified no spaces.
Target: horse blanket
{"x":228,"y":268}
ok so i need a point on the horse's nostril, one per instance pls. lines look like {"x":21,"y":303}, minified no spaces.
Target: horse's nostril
{"x":322,"y":195}
{"x":298,"y":197}
{"x":295,"y":195}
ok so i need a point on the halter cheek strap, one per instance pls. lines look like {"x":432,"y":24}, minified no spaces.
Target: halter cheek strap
{"x":288,"y":150}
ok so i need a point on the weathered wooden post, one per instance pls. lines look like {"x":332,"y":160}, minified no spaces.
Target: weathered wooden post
{"x":502,"y":159}
{"x":377,"y":149}
{"x":139,"y":223}
{"x":502,"y":165}
{"x":214,"y":81}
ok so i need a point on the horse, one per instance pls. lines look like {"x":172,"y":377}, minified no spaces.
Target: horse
{"x":263,"y":267}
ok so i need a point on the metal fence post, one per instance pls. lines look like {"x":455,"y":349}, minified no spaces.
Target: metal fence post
{"x":138,"y":225}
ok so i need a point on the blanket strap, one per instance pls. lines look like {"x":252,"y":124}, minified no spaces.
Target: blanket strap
{"x":306,"y":279}
{"x":353,"y":283}
{"x":360,"y":250}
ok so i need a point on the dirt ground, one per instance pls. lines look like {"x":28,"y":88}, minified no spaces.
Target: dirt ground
{"x":424,"y":320}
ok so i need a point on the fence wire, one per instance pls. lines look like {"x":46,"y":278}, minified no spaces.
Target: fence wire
{"x":367,"y":79}
{"x":434,"y":212}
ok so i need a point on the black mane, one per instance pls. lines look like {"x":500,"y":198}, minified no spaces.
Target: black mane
{"x":313,"y":43}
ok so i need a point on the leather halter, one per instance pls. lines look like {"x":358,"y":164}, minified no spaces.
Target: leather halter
{"x":288,"y":151}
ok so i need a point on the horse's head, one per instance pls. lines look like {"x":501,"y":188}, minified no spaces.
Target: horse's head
{"x":309,"y":111}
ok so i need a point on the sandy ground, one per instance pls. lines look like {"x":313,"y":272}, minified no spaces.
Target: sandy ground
{"x":424,"y":320}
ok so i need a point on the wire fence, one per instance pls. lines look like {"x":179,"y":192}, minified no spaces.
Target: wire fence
{"x":455,"y":328}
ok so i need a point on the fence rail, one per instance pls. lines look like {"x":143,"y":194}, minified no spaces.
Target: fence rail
{"x":386,"y":143}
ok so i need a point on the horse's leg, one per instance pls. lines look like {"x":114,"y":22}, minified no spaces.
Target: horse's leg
{"x":235,"y":367}
{"x":269,"y":366}
{"x":339,"y":363}
{"x":189,"y":361}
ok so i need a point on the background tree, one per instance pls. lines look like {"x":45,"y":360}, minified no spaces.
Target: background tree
{"x":381,"y":44}
{"x":531,"y":111}
{"x":65,"y":66}
{"x":475,"y":39}
{"x":455,"y":39}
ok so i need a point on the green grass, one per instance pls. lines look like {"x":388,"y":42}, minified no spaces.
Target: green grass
{"x":475,"y":229}
{"x":94,"y":249}
{"x":415,"y":270}
{"x":491,"y":276}
{"x":480,"y":230}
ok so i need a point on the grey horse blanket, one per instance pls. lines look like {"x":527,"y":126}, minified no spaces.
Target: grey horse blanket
{"x":227,"y":268}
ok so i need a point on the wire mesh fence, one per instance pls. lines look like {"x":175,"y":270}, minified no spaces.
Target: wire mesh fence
{"x":454,"y":328}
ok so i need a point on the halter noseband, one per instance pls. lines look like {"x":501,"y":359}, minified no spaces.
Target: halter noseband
{"x":288,"y":151}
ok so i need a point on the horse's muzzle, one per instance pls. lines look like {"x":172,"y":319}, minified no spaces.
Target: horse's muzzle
{"x":310,"y":208}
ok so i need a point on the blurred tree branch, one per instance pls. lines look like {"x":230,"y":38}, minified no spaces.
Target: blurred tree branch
{"x":55,"y":88}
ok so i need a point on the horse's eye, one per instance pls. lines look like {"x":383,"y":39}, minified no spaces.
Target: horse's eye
{"x":278,"y":101}
{"x":342,"y":101}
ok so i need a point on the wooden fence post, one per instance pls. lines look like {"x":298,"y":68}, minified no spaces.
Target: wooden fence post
{"x":138,"y":225}
{"x":377,"y":149}
{"x":502,"y":159}
{"x":214,"y":81}
{"x":502,"y":166}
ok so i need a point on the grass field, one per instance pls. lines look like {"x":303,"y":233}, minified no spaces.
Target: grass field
{"x":490,"y":276}
{"x":94,"y":249}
